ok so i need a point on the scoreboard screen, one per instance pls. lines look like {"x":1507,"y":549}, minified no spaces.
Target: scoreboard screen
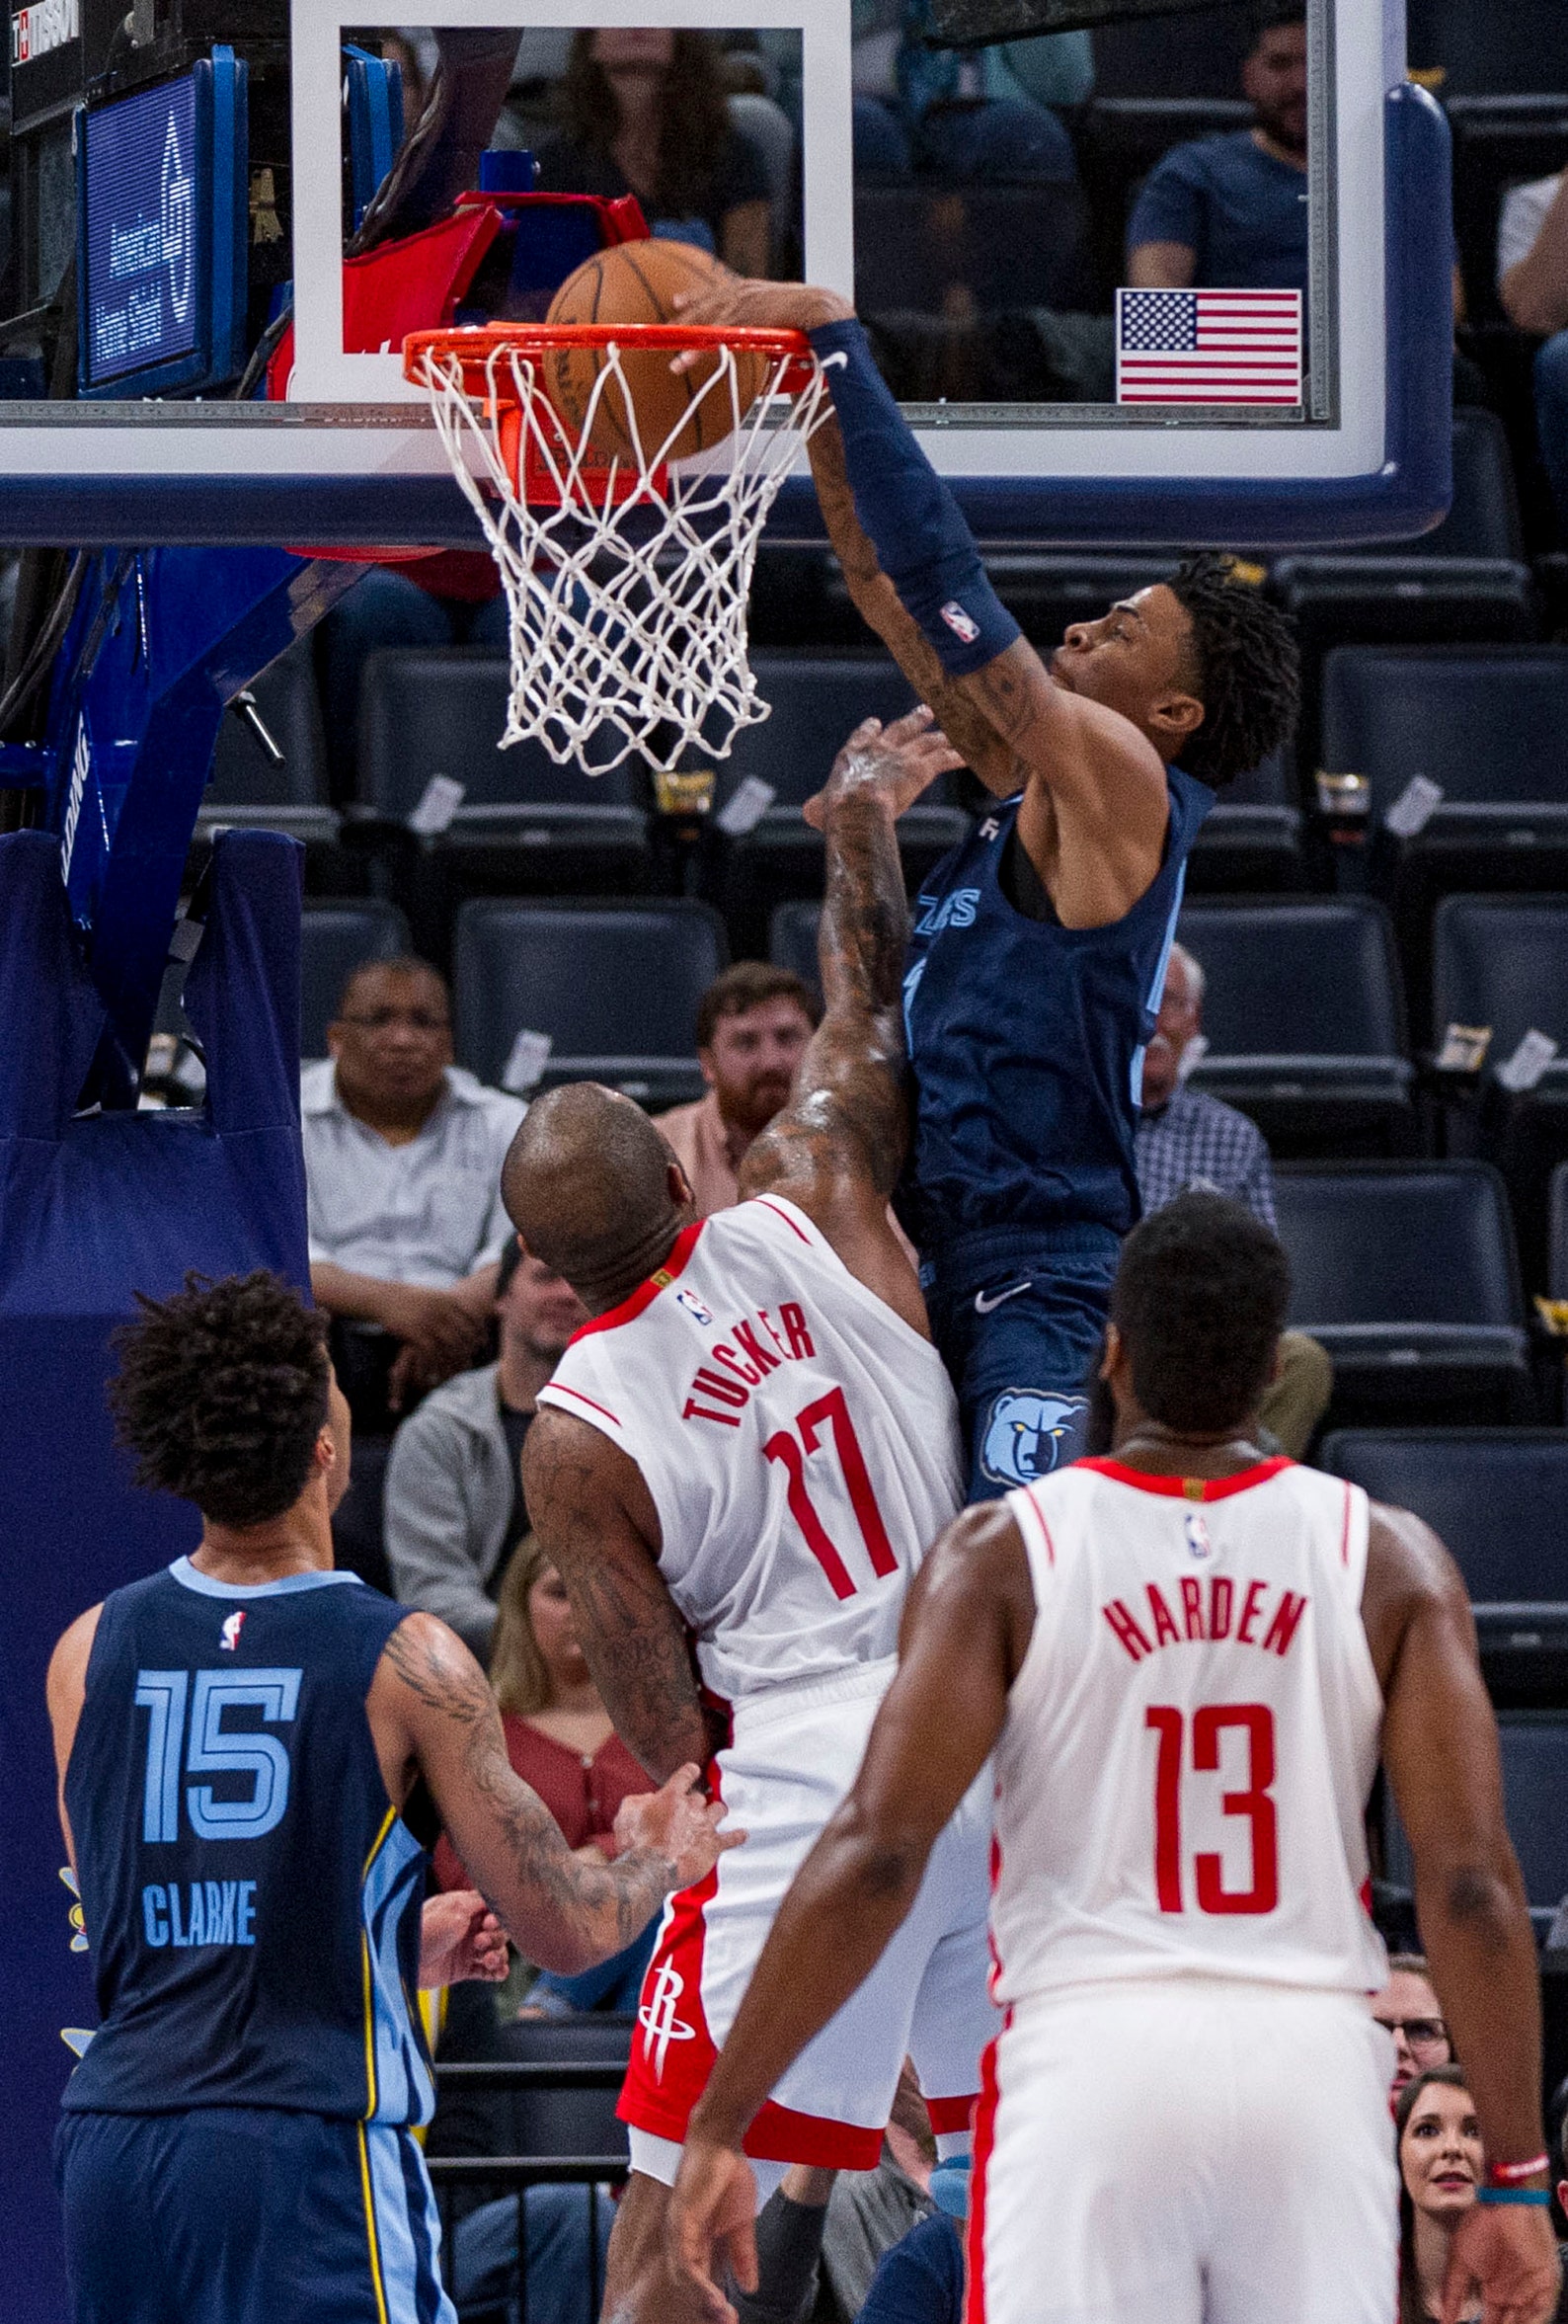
{"x":143,"y":292}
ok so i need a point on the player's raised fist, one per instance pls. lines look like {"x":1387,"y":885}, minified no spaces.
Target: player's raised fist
{"x":677,"y":1823}
{"x":893,"y":764}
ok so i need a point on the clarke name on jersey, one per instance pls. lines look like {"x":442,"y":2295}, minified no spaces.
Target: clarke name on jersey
{"x":755,"y":1347}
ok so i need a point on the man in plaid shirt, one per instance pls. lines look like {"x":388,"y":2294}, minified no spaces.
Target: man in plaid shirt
{"x":1187,"y":1139}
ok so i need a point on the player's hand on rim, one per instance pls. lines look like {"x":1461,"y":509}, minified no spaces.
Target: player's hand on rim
{"x":1510,"y":2252}
{"x":677,"y":1823}
{"x":712,"y":2223}
{"x":752,"y":305}
{"x":894,"y":763}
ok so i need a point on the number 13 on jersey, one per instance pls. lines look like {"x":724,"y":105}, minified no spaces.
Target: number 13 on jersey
{"x":1254,"y":1805}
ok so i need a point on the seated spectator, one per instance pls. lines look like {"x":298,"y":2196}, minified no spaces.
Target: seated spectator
{"x":454,"y":1507}
{"x":561,"y":1740}
{"x":963,"y":115}
{"x":645,"y":114}
{"x":1230,"y":212}
{"x":753,"y":1026}
{"x":1186,"y":1138}
{"x":1440,"y":2166}
{"x":403,"y":1155}
{"x":1532,"y":285}
{"x":1409,"y":2007}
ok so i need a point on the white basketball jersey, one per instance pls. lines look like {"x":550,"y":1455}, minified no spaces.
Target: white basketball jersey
{"x":1191,"y":1740}
{"x":800,"y":1441}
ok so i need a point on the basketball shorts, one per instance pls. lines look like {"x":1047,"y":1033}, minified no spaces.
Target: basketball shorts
{"x":1018,"y":1318}
{"x":247,"y":2215}
{"x":1200,"y":2151}
{"x":794,"y":1754}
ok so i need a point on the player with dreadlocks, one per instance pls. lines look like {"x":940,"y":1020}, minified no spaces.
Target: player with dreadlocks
{"x":1038,"y":947}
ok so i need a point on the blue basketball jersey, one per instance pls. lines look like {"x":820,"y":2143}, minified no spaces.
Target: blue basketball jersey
{"x":1027,"y":1040}
{"x":250,"y":1897}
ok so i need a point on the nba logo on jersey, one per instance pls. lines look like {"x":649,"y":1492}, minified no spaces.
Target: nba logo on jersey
{"x":962,"y":624}
{"x":1199,"y":1544}
{"x":693,"y":1306}
{"x":233,"y":1624}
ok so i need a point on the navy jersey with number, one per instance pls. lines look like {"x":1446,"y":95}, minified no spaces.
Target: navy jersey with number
{"x":250,"y":1897}
{"x":1027,"y":1042}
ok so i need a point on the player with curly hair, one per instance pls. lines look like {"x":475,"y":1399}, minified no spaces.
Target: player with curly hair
{"x":248,"y":1747}
{"x":1039,"y":948}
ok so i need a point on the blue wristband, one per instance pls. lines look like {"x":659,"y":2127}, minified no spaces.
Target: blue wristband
{"x":1540,"y":2198}
{"x":907,"y":512}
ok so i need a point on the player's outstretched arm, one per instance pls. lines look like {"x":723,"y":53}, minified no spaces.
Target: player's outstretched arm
{"x":431,"y":1712}
{"x":592,"y":1513}
{"x":915,"y":576}
{"x":1441,"y":1751}
{"x":837,"y":1146}
{"x":965,"y":1630}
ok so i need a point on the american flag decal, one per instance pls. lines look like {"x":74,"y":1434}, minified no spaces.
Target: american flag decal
{"x":1209,"y":346}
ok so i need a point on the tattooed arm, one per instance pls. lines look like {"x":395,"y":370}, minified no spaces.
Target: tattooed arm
{"x":432,"y":1714}
{"x":837,"y":1146}
{"x":592,"y":1513}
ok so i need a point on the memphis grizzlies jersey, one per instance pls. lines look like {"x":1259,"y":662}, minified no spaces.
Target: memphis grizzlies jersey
{"x":250,"y":1897}
{"x":1027,"y":1042}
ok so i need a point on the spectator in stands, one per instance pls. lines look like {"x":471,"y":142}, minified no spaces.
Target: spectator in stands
{"x":963,"y":115}
{"x":561,"y":1740}
{"x":645,"y":114}
{"x":1532,"y":285}
{"x":403,"y":1155}
{"x":454,"y":1507}
{"x":1440,"y":2166}
{"x":1230,"y":212}
{"x":753,"y":1026}
{"x":1409,"y":2007}
{"x":1186,"y":1138}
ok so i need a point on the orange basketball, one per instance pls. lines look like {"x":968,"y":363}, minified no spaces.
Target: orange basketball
{"x":637,"y":282}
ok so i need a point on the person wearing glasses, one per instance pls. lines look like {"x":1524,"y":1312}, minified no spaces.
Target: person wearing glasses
{"x":1410,"y":2009}
{"x":403,"y":1155}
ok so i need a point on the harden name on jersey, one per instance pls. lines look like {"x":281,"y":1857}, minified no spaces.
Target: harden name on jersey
{"x":1226,"y":1608}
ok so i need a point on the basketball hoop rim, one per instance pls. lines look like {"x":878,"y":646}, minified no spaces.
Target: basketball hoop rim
{"x":476,"y":345}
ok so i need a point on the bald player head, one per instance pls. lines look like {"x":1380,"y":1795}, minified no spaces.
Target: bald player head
{"x":593,"y":1191}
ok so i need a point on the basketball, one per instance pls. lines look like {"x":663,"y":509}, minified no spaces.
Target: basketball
{"x":639,"y":283}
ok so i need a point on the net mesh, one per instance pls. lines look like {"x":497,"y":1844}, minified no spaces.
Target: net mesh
{"x":626,"y":580}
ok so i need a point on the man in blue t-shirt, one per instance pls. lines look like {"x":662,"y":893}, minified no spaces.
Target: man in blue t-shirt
{"x":1230,"y":214}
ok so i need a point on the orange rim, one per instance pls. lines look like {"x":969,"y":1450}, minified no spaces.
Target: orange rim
{"x":476,"y":345}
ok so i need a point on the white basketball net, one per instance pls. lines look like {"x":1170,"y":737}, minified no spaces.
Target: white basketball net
{"x":628,"y":606}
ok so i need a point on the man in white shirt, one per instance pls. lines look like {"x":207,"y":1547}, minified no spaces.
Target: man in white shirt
{"x":1532,"y":285}
{"x":403,"y":1155}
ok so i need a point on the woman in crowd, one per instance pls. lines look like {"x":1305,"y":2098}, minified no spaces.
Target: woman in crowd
{"x":560,"y":1740}
{"x":1440,"y":2166}
{"x":645,"y":114}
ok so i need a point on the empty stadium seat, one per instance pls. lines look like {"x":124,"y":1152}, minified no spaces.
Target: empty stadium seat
{"x":1503,"y":961}
{"x":1493,"y":50}
{"x":1557,"y":1267}
{"x":1251,"y":836}
{"x":1408,"y":1275}
{"x":1495,"y":1496}
{"x":817,"y":702}
{"x":249,"y":788}
{"x":1487,"y":724}
{"x":792,"y":938}
{"x":613,"y":987}
{"x":525,"y":824}
{"x":1304,"y":1019}
{"x":333,"y":939}
{"x":1535,"y":1784}
{"x":999,"y":246}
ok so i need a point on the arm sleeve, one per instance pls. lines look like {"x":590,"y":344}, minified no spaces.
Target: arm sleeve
{"x":430,"y":1548}
{"x":1171,"y":207}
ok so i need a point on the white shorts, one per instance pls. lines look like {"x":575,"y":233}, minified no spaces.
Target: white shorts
{"x":794,"y":1754}
{"x":1187,"y":2150}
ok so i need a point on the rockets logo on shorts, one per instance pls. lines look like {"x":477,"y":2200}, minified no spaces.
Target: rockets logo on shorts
{"x":658,"y":2019}
{"x":233,"y":1624}
{"x":962,"y":624}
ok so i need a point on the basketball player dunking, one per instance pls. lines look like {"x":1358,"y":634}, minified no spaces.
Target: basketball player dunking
{"x":1184,"y":1658}
{"x":1039,"y":944}
{"x":752,"y":1443}
{"x":241,"y":1742}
